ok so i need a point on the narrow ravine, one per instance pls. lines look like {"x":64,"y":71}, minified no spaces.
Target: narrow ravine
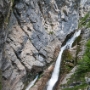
{"x":56,"y":72}
{"x":32,"y":83}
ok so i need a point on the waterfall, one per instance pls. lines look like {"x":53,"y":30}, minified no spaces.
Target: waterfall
{"x":55,"y":74}
{"x":32,"y":83}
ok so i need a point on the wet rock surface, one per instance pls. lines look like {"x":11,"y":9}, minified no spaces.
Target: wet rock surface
{"x":36,"y":31}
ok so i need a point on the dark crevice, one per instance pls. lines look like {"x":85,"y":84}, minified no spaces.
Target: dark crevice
{"x":68,"y":37}
{"x":15,"y":13}
{"x":19,"y":59}
{"x":23,"y":29}
{"x":40,"y":7}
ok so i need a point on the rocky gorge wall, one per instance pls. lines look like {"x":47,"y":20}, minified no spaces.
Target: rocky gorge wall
{"x":35,"y":30}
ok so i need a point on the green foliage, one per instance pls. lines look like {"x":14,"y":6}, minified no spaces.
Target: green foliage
{"x":88,"y":44}
{"x":85,"y":18}
{"x":12,"y":2}
{"x":67,"y":62}
{"x":77,"y":40}
{"x":87,"y":52}
{"x":81,"y":87}
{"x":82,"y":70}
{"x":67,"y":55}
{"x":51,"y":32}
{"x":84,"y":63}
{"x":7,"y":18}
{"x":85,"y":22}
{"x":88,"y":25}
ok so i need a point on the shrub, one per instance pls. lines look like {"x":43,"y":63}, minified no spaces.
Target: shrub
{"x":84,"y":63}
{"x":85,"y":21}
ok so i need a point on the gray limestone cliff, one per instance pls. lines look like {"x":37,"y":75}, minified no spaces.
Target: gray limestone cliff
{"x":31,"y":35}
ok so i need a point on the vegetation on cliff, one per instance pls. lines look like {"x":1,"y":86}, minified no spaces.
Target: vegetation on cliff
{"x":84,"y":63}
{"x":77,"y":80}
{"x":85,"y":21}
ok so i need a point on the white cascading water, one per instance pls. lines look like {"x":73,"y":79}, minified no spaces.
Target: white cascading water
{"x":32,"y":83}
{"x":55,"y":74}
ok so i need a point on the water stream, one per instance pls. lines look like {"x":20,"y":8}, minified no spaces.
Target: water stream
{"x":32,"y":83}
{"x":56,"y":72}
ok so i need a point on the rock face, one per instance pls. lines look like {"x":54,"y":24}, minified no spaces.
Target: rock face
{"x":4,"y":9}
{"x":36,"y":29}
{"x":85,"y":38}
